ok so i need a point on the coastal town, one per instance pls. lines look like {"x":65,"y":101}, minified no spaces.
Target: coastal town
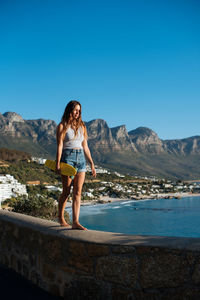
{"x":107,"y":186}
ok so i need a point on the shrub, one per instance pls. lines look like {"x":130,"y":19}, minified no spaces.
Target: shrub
{"x":41,"y":207}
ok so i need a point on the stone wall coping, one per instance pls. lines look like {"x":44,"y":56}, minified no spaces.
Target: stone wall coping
{"x":100,"y":237}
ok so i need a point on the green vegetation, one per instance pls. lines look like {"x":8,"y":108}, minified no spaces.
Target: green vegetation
{"x":36,"y":206}
{"x":169,"y":166}
{"x":21,"y":167}
{"x":13,"y":155}
{"x":25,"y":171}
{"x":35,"y":190}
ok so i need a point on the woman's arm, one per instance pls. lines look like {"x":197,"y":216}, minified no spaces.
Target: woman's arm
{"x":88,"y":156}
{"x":59,"y":138}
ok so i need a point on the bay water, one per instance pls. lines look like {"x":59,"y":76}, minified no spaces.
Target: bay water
{"x":163,"y":217}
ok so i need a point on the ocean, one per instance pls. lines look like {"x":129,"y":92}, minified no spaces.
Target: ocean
{"x":162,"y":217}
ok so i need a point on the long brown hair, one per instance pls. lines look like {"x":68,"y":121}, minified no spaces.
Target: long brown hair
{"x":68,"y":120}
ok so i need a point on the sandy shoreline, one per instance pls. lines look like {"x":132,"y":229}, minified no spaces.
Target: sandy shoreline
{"x":104,"y":200}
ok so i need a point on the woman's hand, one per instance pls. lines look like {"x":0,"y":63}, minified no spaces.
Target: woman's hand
{"x":94,"y":173}
{"x":57,"y":170}
{"x":89,"y":157}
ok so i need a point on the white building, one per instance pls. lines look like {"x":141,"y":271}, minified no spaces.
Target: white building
{"x":167,"y":185}
{"x":10,"y":187}
{"x":179,"y":187}
{"x":88,"y":194}
{"x":53,"y":188}
{"x":102,"y":171}
{"x":155,"y":186}
{"x":101,"y":188}
{"x":99,"y":170}
{"x":118,"y":174}
{"x":39,"y":160}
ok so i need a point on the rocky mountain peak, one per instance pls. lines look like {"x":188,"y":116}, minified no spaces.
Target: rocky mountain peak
{"x":97,"y":122}
{"x":142,"y":131}
{"x":122,"y":137}
{"x":119,"y":128}
{"x":146,"y":140}
{"x":97,"y":129}
{"x":119,"y":131}
{"x":13,"y":117}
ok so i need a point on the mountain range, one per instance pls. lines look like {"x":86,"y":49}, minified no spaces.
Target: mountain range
{"x":139,"y":151}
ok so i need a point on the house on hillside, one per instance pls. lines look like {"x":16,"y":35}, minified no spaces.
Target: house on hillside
{"x":10,"y":187}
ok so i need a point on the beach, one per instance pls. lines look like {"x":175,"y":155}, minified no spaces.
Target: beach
{"x":106,"y":199}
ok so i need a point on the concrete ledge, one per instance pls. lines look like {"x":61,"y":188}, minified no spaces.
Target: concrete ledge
{"x":96,"y":265}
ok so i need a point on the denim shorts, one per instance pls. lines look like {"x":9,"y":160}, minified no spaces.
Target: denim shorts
{"x":75,"y":158}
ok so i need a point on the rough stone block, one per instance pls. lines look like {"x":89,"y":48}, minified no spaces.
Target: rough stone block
{"x":19,"y":266}
{"x":68,"y":270}
{"x":25,"y":256}
{"x":97,"y":250}
{"x":33,"y":260}
{"x":25,"y":270}
{"x":54,"y":289}
{"x":28,"y":239}
{"x":34,"y":277}
{"x":163,"y":270}
{"x":86,"y":288}
{"x":52,"y":250}
{"x":48,"y":272}
{"x":82,"y":263}
{"x":191,"y":257}
{"x":122,"y":249}
{"x":196,"y":273}
{"x":6,"y":244}
{"x":182,"y":293}
{"x":59,"y":277}
{"x":77,"y":248}
{"x":4,"y":259}
{"x":122,"y":294}
{"x":144,"y":250}
{"x":16,"y":232}
{"x":127,"y":294}
{"x":13,"y":262}
{"x":116,"y":269}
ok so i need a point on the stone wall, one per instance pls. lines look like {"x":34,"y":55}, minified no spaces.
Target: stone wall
{"x":98,"y":265}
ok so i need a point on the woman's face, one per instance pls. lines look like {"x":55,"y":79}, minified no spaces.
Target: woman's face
{"x":76,"y":112}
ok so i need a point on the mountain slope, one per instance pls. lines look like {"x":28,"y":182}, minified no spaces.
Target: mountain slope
{"x":34,"y":136}
{"x":139,"y":151}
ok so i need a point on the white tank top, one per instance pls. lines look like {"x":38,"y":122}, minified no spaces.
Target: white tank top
{"x":71,"y":141}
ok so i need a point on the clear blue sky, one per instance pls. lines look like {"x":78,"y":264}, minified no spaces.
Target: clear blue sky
{"x":128,"y":62}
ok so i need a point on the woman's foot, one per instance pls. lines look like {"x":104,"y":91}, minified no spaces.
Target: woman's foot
{"x":78,"y":226}
{"x":64,"y":223}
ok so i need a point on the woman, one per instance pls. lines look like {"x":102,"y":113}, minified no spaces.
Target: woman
{"x":72,"y":148}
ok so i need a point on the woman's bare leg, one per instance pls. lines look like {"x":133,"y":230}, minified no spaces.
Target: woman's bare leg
{"x":66,"y":183}
{"x":77,"y":189}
